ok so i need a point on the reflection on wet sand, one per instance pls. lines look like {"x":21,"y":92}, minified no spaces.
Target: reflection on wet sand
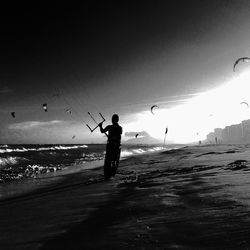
{"x":189,"y":198}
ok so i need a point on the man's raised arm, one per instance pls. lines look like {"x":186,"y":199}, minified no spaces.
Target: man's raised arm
{"x":103,"y":130}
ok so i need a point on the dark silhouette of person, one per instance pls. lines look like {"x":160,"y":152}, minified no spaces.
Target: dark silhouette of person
{"x":113,"y":147}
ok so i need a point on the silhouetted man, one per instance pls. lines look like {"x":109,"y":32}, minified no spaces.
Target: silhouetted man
{"x":113,"y":147}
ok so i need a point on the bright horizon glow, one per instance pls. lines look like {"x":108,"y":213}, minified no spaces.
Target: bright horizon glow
{"x":193,"y":120}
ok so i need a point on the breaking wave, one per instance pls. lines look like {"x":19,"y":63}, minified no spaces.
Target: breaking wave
{"x":129,"y":152}
{"x":9,"y":161}
{"x":5,"y":149}
{"x":28,"y":161}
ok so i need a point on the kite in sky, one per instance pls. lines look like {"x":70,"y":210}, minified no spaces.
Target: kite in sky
{"x":73,"y":137}
{"x":13,"y":114}
{"x":136,"y":135}
{"x":241,"y":59}
{"x":152,"y":108}
{"x":45,"y":108}
{"x":69,"y":111}
{"x":245,"y":103}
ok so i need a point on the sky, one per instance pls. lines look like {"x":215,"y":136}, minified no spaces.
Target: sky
{"x":122,"y":58}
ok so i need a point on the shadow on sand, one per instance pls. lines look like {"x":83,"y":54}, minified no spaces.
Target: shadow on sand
{"x":88,"y":234}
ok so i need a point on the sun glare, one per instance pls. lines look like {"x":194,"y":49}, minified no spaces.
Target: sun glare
{"x":193,"y":120}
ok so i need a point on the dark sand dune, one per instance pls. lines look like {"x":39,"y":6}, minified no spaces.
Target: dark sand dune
{"x":156,"y":201}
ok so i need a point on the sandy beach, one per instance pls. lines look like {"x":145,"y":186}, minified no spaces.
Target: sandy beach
{"x":195,"y":197}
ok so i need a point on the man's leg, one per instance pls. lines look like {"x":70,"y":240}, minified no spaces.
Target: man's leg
{"x":107,"y":162}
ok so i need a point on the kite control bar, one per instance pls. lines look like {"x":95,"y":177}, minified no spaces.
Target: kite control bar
{"x":103,"y":120}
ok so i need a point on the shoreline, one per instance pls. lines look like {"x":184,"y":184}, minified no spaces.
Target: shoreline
{"x":27,"y":186}
{"x":156,"y":201}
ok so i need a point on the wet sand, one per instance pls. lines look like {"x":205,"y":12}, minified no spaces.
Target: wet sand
{"x":189,"y":198}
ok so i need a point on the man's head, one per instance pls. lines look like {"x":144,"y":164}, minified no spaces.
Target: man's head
{"x":115,"y":119}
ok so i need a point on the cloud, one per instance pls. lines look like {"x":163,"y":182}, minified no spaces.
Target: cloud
{"x":132,"y":134}
{"x":33,"y":124}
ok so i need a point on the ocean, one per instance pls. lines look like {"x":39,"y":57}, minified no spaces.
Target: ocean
{"x":18,"y":162}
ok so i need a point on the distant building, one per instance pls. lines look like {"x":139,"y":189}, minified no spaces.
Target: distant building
{"x":233,"y":134}
{"x":246,"y":131}
{"x":218,"y":135}
{"x":226,"y":134}
{"x":211,"y":138}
